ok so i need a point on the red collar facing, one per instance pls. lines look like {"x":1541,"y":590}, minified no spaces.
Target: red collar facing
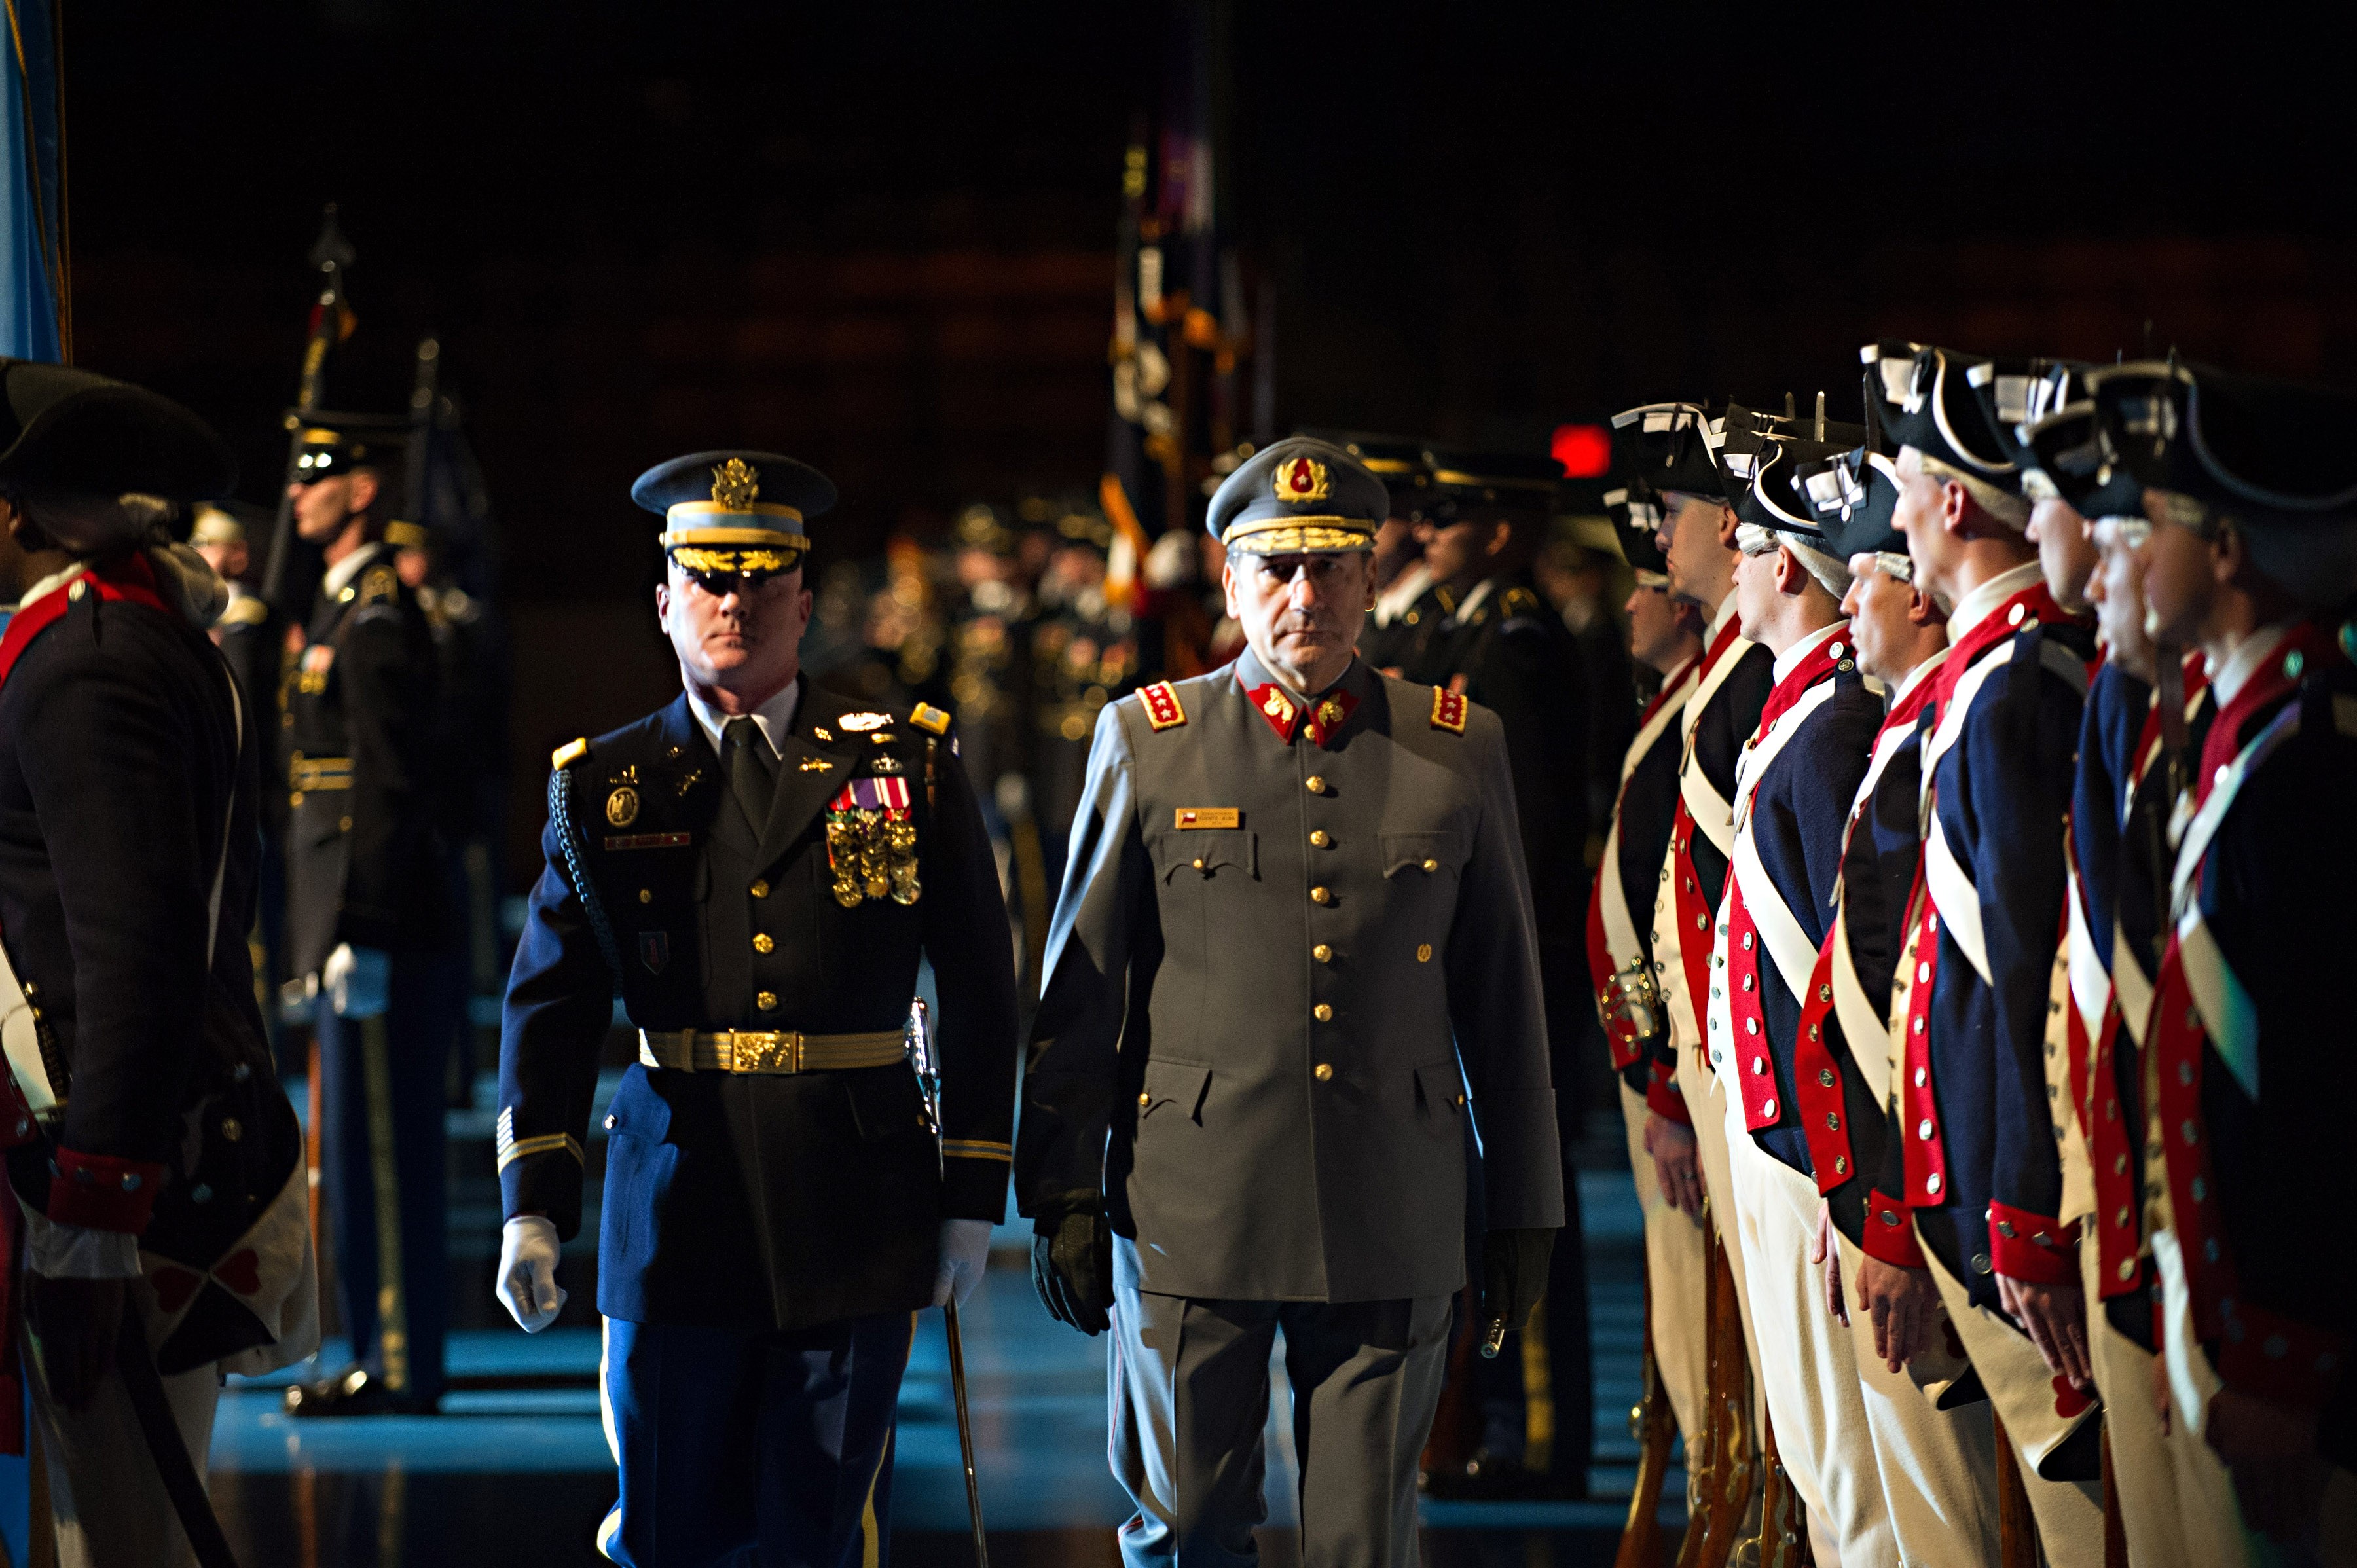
{"x":1324,"y":718}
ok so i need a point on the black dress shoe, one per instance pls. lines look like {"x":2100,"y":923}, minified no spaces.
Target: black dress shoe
{"x":352,"y":1393}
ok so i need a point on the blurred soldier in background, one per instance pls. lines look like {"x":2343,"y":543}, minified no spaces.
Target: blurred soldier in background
{"x":366,"y":910}
{"x":1503,"y":647}
{"x":469,"y":722}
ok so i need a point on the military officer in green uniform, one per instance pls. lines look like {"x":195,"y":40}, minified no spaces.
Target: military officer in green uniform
{"x":1293,"y":954}
{"x":757,"y":870}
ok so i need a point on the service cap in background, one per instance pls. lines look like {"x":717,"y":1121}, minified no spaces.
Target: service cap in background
{"x":64,"y":428}
{"x":1672,"y":447}
{"x":1925,"y":397}
{"x":1299,"y":496}
{"x":337,"y":442}
{"x":1491,"y":487}
{"x":731,"y":513}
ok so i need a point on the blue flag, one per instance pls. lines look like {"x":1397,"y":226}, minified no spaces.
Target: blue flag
{"x":32,"y":254}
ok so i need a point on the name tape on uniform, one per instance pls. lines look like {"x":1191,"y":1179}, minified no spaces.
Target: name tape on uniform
{"x":1208,"y":817}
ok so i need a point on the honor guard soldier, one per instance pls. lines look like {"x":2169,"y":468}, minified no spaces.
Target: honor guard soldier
{"x":1664,"y":636}
{"x":1933,"y":1443}
{"x":1295,"y":953}
{"x":1792,"y":784}
{"x":1673,"y":448}
{"x":1977,"y":1159}
{"x":157,"y":1227}
{"x":365,"y":913}
{"x":2119,"y":866}
{"x":1505,"y":648}
{"x":2250,"y":556}
{"x":757,"y":871}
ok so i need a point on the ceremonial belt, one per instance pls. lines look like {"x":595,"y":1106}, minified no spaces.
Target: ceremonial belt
{"x":769,"y":1051}
{"x":310,"y":773}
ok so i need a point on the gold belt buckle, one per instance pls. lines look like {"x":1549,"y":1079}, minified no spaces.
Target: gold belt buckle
{"x":766,"y":1051}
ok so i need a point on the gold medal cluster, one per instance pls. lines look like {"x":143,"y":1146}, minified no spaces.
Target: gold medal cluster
{"x":873,"y":853}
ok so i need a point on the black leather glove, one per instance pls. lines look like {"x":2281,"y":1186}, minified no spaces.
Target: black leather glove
{"x":1071,"y":1267}
{"x":1513,"y":1274}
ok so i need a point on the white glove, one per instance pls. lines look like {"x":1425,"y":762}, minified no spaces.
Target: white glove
{"x":356,"y":981}
{"x":965,"y":1253}
{"x":527,"y":1284}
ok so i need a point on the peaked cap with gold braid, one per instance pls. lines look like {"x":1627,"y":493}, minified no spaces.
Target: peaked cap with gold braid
{"x":731,"y":512}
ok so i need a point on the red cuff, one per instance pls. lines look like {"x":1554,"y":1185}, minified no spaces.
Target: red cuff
{"x":2033,"y":1247}
{"x":100,"y":1192}
{"x":1665,"y":1100}
{"x":2279,"y":1359}
{"x":1889,"y":1233}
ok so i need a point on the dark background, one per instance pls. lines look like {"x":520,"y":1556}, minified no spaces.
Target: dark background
{"x":881,"y":236}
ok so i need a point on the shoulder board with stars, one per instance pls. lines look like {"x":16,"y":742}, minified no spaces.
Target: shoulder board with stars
{"x":929,"y":719}
{"x":1162,"y":708}
{"x":379,"y":584}
{"x":1449,"y":710}
{"x":568,"y":754}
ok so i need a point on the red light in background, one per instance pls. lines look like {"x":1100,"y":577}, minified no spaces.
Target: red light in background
{"x":1584,"y":450}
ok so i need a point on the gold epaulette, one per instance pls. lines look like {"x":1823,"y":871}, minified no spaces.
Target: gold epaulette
{"x":568,"y":754}
{"x":246,"y":609}
{"x":379,"y":584}
{"x":1162,"y":707}
{"x":930,"y":719}
{"x":1447,"y":598}
{"x":1519,"y":601}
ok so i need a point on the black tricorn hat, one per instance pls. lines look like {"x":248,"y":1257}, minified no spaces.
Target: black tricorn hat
{"x":1774,"y":495}
{"x":1671,"y":446}
{"x":1636,"y":514}
{"x":1854,"y":495}
{"x":1928,"y":398}
{"x":2259,"y":450}
{"x":62,"y":428}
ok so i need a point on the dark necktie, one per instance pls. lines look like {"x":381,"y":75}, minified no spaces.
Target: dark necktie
{"x":749,"y":770}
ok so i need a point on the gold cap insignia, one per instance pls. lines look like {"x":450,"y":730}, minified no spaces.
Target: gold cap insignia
{"x":736,"y":485}
{"x":1303,"y":479}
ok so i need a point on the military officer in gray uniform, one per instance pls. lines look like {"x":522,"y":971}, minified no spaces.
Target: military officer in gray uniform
{"x":1293,"y":953}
